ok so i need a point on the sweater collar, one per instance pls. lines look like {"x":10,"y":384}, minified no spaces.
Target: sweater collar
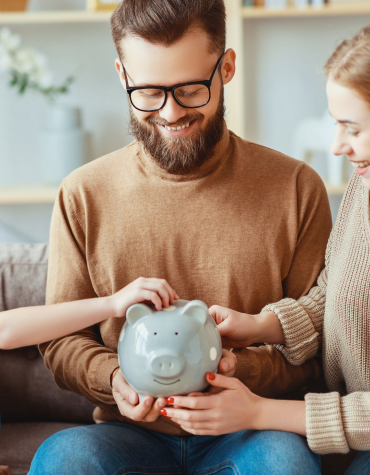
{"x":207,"y":168}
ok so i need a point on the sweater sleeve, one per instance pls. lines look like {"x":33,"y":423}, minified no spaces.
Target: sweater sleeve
{"x":338,"y":424}
{"x":302,"y":322}
{"x":79,"y":362}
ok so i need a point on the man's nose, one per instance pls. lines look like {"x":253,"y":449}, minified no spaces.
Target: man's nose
{"x":172,"y":111}
{"x":340,"y":146}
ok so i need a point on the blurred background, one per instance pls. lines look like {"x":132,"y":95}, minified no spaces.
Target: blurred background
{"x":277,"y":99}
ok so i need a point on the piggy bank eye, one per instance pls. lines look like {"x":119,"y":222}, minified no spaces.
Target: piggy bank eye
{"x":176,"y":333}
{"x":155,"y":333}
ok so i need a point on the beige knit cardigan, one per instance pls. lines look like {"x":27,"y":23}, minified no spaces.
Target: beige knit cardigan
{"x":335,"y":315}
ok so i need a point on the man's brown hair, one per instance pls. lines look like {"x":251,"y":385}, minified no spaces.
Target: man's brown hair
{"x":166,"y":21}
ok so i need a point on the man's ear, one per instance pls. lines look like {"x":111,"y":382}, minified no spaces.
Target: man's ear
{"x":228,"y":66}
{"x":120,"y":72}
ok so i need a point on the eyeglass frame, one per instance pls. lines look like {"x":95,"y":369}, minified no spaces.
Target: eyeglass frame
{"x":207,"y":83}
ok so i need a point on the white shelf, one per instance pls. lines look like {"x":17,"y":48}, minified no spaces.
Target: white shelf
{"x":343,"y":8}
{"x":73,"y":16}
{"x":336,"y":190}
{"x":28,"y":194}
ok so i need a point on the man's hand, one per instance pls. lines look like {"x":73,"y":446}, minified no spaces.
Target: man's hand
{"x":240,"y":330}
{"x":128,"y":401}
{"x":157,"y":291}
{"x":5,"y":470}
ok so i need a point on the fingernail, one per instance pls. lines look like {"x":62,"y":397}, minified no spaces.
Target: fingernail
{"x":211,"y":376}
{"x":148,"y":402}
{"x":170,"y":400}
{"x":177,"y":424}
{"x":226,"y":367}
{"x":163,"y":412}
{"x":161,"y":404}
{"x":131,"y":398}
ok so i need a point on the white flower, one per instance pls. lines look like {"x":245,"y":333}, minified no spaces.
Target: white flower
{"x":8,"y":40}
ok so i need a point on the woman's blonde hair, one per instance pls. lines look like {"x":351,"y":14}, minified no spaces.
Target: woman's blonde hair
{"x":349,"y":65}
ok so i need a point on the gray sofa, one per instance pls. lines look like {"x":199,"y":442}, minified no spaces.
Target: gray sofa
{"x":32,"y":407}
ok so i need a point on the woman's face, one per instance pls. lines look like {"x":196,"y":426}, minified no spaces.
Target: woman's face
{"x":352,"y":115}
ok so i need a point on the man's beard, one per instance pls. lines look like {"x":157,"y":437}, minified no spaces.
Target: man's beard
{"x":180,"y":156}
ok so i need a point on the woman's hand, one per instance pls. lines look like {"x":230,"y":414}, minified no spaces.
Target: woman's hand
{"x":237,"y":330}
{"x":127,"y":400}
{"x":157,"y":291}
{"x":233,"y":409}
{"x":240,"y":330}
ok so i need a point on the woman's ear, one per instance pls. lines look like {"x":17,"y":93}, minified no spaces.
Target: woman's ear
{"x":228,"y":66}
{"x":120,"y":72}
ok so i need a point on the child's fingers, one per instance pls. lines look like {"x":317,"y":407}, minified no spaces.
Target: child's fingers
{"x":163,"y":289}
{"x":152,"y":296}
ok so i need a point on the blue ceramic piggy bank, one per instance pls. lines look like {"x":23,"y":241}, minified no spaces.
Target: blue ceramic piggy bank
{"x":168,"y":352}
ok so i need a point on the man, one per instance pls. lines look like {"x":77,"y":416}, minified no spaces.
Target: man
{"x":222,"y":220}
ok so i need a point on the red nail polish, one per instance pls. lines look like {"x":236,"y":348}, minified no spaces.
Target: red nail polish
{"x":163,"y":412}
{"x":170,"y":400}
{"x":211,"y":376}
{"x":177,"y":424}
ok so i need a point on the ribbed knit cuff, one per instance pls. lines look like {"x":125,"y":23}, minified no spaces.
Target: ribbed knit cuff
{"x":103,"y":376}
{"x":301,"y":338}
{"x":324,"y":426}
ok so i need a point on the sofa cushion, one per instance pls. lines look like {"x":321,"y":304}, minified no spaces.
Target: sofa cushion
{"x":28,"y":391}
{"x":27,"y":388}
{"x":20,"y":441}
{"x":23,"y":269}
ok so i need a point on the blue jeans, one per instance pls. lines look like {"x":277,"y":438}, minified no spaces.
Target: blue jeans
{"x":116,"y":448}
{"x":360,"y":464}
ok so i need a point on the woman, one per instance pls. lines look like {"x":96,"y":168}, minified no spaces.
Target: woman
{"x":335,"y":315}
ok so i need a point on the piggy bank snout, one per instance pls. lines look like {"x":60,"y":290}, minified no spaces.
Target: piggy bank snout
{"x":166,"y":364}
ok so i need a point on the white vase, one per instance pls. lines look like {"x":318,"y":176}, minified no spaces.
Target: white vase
{"x":62,"y":143}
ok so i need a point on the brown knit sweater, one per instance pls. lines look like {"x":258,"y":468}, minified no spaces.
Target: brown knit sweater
{"x":249,"y":227}
{"x":336,"y":315}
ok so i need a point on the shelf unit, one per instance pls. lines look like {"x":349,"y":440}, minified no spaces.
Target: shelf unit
{"x":86,"y":16}
{"x":236,"y":15}
{"x":343,"y":8}
{"x":27,"y":194}
{"x":65,"y":16}
{"x":38,"y":194}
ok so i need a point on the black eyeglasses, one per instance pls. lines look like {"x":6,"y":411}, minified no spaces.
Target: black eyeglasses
{"x":190,"y":95}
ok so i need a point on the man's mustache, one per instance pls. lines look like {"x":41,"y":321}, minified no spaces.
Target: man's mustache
{"x":179,"y":123}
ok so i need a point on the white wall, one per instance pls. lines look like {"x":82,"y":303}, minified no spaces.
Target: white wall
{"x":284,"y":59}
{"x":284,"y":84}
{"x":87,"y":52}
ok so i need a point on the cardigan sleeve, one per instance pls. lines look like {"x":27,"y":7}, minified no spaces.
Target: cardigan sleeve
{"x":338,"y":424}
{"x":302,"y":322}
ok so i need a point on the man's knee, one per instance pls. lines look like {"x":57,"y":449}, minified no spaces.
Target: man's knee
{"x":68,"y":451}
{"x":284,"y":453}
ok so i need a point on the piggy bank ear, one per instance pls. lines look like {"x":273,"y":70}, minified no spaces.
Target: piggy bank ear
{"x":137,"y":311}
{"x":196,"y":309}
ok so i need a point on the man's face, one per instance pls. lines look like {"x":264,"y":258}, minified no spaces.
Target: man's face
{"x":147,"y":64}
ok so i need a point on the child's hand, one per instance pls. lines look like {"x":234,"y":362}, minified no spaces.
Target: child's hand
{"x":237,"y":330}
{"x":5,"y":470}
{"x":157,"y":291}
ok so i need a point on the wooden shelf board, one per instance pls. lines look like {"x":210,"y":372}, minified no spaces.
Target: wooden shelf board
{"x":336,"y":190}
{"x":28,"y":194}
{"x":345,"y":8}
{"x":65,"y":16}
